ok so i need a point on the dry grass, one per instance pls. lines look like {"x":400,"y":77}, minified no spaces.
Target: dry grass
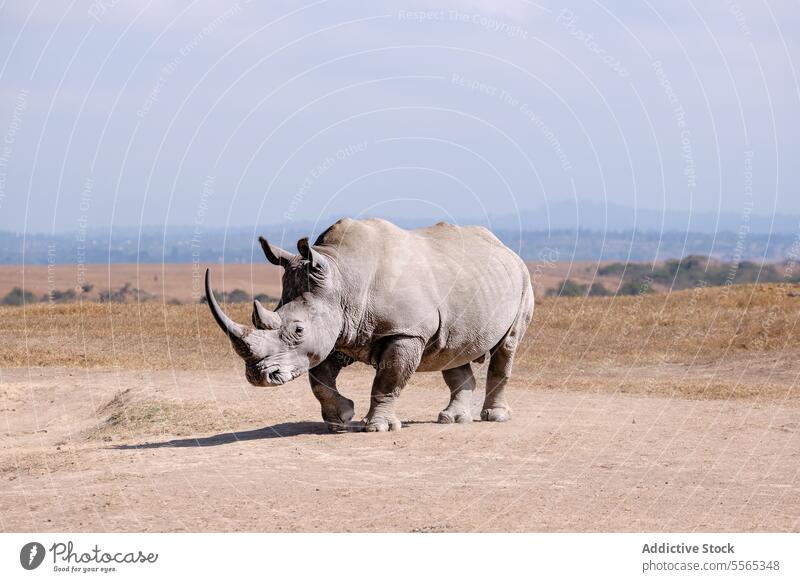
{"x":183,"y":281}
{"x":700,"y":324}
{"x":724,"y":342}
{"x":114,"y":335}
{"x":692,"y":333}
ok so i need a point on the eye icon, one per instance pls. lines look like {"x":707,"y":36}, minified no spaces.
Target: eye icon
{"x":31,"y":555}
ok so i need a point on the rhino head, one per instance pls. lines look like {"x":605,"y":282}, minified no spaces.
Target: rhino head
{"x":283,"y":344}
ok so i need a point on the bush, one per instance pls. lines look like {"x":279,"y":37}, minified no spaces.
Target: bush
{"x":569,"y":288}
{"x":125,"y":294}
{"x":636,"y":287}
{"x":264,"y":298}
{"x":611,"y":269}
{"x":238,"y":296}
{"x":690,"y":271}
{"x":235,"y":296}
{"x":58,"y":296}
{"x":18,"y":296}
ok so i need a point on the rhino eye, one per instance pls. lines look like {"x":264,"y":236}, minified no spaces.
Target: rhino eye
{"x":298,"y":329}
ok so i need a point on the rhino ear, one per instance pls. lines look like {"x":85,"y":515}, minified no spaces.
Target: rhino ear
{"x":275,"y":255}
{"x":309,"y":254}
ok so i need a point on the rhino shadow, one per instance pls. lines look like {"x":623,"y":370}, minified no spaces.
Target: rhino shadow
{"x":284,"y":429}
{"x":276,"y":431}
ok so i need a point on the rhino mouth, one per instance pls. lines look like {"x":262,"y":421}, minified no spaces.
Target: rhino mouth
{"x":273,"y":375}
{"x":278,"y":376}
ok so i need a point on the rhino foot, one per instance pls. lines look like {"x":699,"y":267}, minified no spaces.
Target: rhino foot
{"x":496,"y":414}
{"x":337,"y":418}
{"x":454,"y":416}
{"x":382,"y":423}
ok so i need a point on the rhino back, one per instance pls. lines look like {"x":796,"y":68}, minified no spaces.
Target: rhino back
{"x":458,"y":288}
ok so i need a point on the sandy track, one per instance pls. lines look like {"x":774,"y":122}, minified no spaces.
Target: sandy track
{"x":203,"y":451}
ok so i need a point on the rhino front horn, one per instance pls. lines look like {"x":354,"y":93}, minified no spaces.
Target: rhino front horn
{"x":233,"y":329}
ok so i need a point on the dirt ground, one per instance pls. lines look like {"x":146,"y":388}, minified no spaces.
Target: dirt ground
{"x":665,"y":413}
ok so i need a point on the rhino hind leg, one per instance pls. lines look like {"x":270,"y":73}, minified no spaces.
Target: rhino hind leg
{"x":462,"y":384}
{"x":398,"y":361}
{"x":337,"y":410}
{"x":495,"y":406}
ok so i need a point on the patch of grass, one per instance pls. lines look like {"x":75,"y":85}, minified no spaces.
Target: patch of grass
{"x":126,"y":414}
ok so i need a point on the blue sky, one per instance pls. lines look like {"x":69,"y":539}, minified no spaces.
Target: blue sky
{"x":117,"y":113}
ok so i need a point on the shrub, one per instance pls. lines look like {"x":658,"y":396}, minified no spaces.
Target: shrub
{"x":18,"y":296}
{"x":235,"y":296}
{"x":690,"y":271}
{"x":58,"y":296}
{"x":640,"y":287}
{"x":569,"y":288}
{"x":125,"y":294}
{"x":264,"y":298}
{"x":611,"y":269}
{"x":238,"y":296}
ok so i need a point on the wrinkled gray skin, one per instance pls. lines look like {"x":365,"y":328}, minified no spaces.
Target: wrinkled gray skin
{"x":431,"y":299}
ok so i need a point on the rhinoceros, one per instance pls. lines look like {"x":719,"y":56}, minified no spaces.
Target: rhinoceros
{"x":430,"y":299}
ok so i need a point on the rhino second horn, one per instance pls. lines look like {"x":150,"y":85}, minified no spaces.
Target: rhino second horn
{"x":263,"y":318}
{"x":233,"y":329}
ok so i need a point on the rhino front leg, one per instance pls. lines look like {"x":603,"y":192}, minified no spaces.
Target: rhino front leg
{"x":398,"y":361}
{"x":337,"y":410}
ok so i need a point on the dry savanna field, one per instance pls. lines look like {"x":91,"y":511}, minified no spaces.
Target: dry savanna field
{"x":183,"y":282}
{"x":667,"y":411}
